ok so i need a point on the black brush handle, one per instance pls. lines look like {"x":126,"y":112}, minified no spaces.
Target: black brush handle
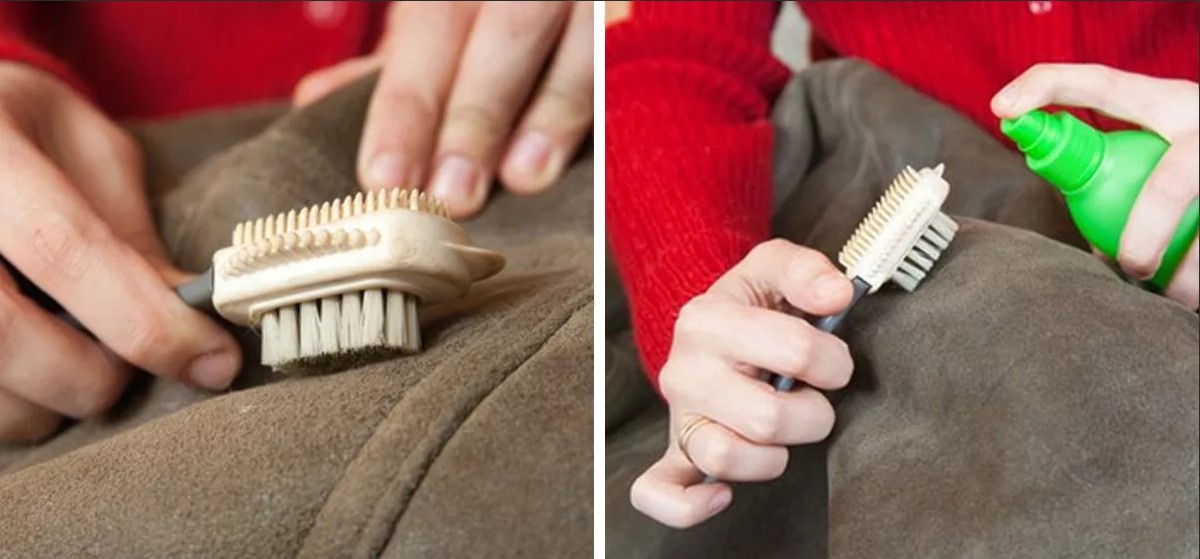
{"x":825,"y":324}
{"x":196,"y":294}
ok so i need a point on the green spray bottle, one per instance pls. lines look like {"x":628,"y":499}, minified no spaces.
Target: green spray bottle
{"x":1100,"y":175}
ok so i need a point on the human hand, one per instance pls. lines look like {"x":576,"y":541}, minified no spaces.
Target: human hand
{"x":723,"y":339}
{"x":1166,"y":107}
{"x":75,"y":221}
{"x":462,"y":97}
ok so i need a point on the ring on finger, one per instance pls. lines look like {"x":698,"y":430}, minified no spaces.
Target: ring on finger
{"x":685,"y":434}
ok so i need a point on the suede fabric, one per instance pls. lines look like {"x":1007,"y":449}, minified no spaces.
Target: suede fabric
{"x":1024,"y":401}
{"x":478,"y":446}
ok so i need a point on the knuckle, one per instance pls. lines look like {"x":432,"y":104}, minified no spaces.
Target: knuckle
{"x":718,"y":455}
{"x":766,"y":420}
{"x":776,"y":467}
{"x":671,"y":383}
{"x":797,"y":352}
{"x":568,"y":108}
{"x":99,"y":394}
{"x":820,"y":417}
{"x":811,"y":260}
{"x":65,"y":250}
{"x":1040,"y":71}
{"x":417,"y":106}
{"x":769,"y":249}
{"x":694,"y":317}
{"x":474,"y":123}
{"x":840,"y":377}
{"x":400,"y":95}
{"x":145,"y":340}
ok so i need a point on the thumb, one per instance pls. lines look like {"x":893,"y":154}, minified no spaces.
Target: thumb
{"x":90,"y":154}
{"x":320,"y":83}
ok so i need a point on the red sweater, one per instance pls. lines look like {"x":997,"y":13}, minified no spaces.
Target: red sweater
{"x":160,"y":58}
{"x":689,"y":88}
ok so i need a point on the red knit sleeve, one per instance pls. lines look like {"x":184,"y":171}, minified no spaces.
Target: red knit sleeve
{"x":688,"y":89}
{"x":15,"y":46}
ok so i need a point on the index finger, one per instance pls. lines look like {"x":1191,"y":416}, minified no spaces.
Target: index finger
{"x":778,"y":270}
{"x":50,"y":233}
{"x":1143,"y":100}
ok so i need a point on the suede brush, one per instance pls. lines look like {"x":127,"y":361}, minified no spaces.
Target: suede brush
{"x":338,"y":280}
{"x":900,"y":240}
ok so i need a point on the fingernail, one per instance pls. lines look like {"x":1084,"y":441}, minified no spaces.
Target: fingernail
{"x":719,"y":502}
{"x":214,"y":371}
{"x":389,"y":169}
{"x":456,"y":180}
{"x":828,"y":284}
{"x":531,"y":154}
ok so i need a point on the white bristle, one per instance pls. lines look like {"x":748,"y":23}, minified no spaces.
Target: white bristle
{"x":288,"y":347}
{"x":270,"y":337}
{"x":345,"y":232}
{"x":351,"y":320}
{"x":330,"y":322}
{"x":904,"y":234}
{"x":372,"y":318}
{"x":310,"y":330}
{"x":912,"y":270}
{"x":905,"y":281}
{"x":396,"y":324}
{"x":413,"y":339}
{"x":923,"y":262}
{"x":928,"y":248}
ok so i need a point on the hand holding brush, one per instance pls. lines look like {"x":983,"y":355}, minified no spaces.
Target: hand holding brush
{"x":725,"y":422}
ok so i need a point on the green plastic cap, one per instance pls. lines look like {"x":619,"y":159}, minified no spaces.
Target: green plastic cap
{"x":1059,"y":147}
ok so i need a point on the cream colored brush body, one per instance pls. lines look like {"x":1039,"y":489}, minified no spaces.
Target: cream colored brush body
{"x":345,"y":276}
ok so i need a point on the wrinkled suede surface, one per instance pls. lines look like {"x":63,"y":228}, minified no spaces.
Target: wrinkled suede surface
{"x":1023,"y":402}
{"x":479,"y":446}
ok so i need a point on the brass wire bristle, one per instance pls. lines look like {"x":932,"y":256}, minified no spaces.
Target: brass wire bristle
{"x":904,"y":234}
{"x":255,"y":230}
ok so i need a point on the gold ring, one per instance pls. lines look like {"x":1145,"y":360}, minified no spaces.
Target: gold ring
{"x":685,"y":434}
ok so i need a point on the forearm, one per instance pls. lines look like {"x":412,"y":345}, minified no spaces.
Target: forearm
{"x":688,"y":152}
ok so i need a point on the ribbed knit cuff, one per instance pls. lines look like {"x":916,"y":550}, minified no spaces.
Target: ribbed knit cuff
{"x":688,"y":143}
{"x":683,"y":205}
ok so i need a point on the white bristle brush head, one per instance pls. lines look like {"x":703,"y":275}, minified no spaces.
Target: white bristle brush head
{"x":904,"y":234}
{"x":345,"y":276}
